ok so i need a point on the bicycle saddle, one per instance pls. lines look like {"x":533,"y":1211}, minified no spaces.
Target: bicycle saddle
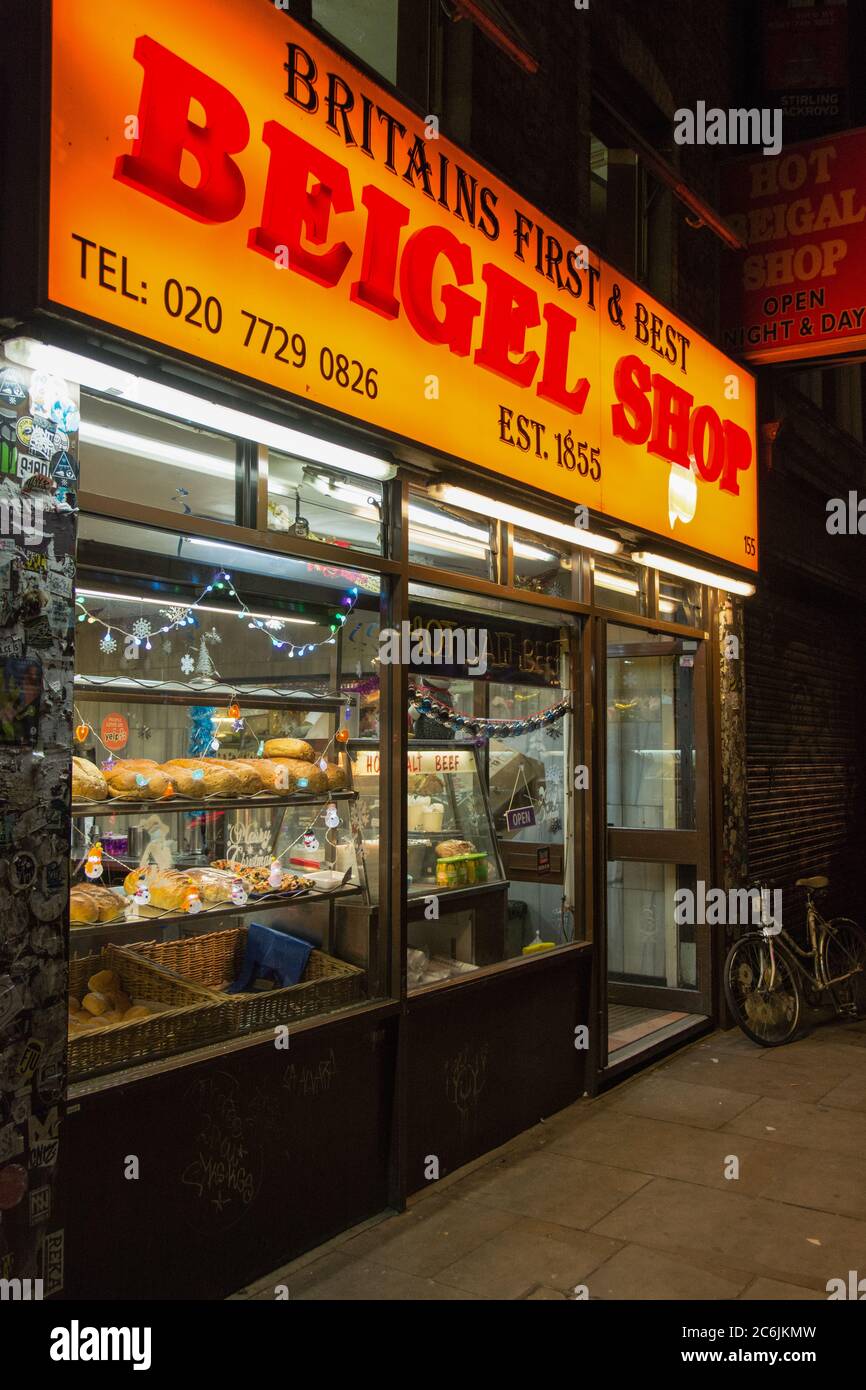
{"x":819,"y":881}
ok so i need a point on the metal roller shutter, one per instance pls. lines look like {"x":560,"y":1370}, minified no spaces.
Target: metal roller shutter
{"x":805,"y":713}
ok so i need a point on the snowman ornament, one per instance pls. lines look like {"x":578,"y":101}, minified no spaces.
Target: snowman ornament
{"x":275,"y":876}
{"x":93,"y":862}
{"x":238,"y":892}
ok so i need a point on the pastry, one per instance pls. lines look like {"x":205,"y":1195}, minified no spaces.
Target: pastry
{"x":88,"y":783}
{"x":336,"y":777}
{"x":217,"y":778}
{"x":289,"y":748}
{"x":123,"y":780}
{"x":256,"y":877}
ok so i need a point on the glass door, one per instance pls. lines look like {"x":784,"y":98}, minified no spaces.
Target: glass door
{"x":657,"y":802}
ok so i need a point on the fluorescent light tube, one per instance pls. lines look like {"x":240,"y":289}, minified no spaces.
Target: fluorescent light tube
{"x":697,"y":576}
{"x":528,"y":521}
{"x":156,"y":449}
{"x":603,"y":579}
{"x":174,"y":602}
{"x":167,"y":400}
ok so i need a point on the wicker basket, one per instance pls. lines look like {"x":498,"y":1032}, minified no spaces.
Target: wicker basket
{"x":185,"y":1023}
{"x":206,"y":962}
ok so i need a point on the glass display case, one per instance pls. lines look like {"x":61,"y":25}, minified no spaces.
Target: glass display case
{"x":456,"y":886}
{"x":211,"y":810}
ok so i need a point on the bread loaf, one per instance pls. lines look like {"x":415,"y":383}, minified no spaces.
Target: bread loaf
{"x":249,"y":777}
{"x":336,"y":777}
{"x":88,"y":783}
{"x":447,"y":849}
{"x":82,"y":907}
{"x":217,"y":778}
{"x":123,"y":784}
{"x":267,"y":770}
{"x":169,"y":888}
{"x":299,"y":771}
{"x":289,"y":748}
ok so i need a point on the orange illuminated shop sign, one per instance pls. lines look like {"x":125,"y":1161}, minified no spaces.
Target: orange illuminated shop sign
{"x":226,"y":186}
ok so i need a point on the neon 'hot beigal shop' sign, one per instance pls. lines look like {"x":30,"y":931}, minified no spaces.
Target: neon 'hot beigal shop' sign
{"x":568,"y":389}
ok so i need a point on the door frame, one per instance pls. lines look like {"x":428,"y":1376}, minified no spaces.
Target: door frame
{"x":686,"y":847}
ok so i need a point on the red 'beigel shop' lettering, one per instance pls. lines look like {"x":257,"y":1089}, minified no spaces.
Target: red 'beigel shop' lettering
{"x":305,"y":192}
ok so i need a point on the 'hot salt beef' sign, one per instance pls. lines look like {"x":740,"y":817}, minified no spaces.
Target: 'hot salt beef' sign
{"x":225,"y":185}
{"x":797,"y":292}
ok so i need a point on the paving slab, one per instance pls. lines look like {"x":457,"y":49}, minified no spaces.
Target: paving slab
{"x":772,"y":1290}
{"x":528,"y":1254}
{"x":802,"y":1078}
{"x":825,"y":1128}
{"x":749,"y":1233}
{"x":638,"y":1273}
{"x":665,"y":1098}
{"x":553,"y":1187}
{"x":432,"y":1235}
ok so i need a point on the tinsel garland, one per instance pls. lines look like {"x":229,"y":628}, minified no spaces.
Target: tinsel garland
{"x":437,"y":709}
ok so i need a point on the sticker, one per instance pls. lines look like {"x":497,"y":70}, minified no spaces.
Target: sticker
{"x":44,"y":1139}
{"x":11,"y":1142}
{"x":22,"y":871}
{"x":30,"y":1058}
{"x":13,"y":1185}
{"x":52,"y":877}
{"x":11,"y":389}
{"x":11,"y":1002}
{"x":542,"y":864}
{"x":40,"y":437}
{"x":115,"y":731}
{"x":40,"y":1204}
{"x":63,"y":470}
{"x":52,"y":1261}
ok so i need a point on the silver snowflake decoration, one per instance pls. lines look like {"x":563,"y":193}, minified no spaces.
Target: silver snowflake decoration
{"x":107,"y":644}
{"x":274,"y":625}
{"x":141,"y":628}
{"x":187,"y":665}
{"x":176,"y":613}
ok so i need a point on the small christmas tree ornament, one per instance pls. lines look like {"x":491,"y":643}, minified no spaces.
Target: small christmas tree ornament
{"x":141,"y":896}
{"x":332,"y":816}
{"x":342,"y":736}
{"x":234,"y":710}
{"x":275,"y":876}
{"x":238,"y":892}
{"x":81,"y":732}
{"x":93,"y":862}
{"x":192,"y":901}
{"x":310,"y":841}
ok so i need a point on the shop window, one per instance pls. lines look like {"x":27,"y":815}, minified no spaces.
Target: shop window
{"x":543,"y":566}
{"x":490,"y":811}
{"x":650,"y":732}
{"x":217,"y":835}
{"x":367,"y":27}
{"x":617,"y":584}
{"x":679,"y":601}
{"x":631,"y":213}
{"x":150,"y":461}
{"x":645,"y":943}
{"x":307,"y":500}
{"x":446,"y":538}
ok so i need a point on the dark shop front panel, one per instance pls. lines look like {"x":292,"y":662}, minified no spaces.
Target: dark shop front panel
{"x":488,"y":1060}
{"x":243,"y":1162}
{"x":805,"y":728}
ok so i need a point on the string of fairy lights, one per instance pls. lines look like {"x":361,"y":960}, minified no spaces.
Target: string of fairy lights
{"x":183,"y":615}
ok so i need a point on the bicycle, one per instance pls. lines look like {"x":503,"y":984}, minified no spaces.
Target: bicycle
{"x":768,"y":975}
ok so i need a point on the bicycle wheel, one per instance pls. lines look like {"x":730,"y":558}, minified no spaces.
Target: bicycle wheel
{"x":844,"y":951}
{"x":762,"y":990}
